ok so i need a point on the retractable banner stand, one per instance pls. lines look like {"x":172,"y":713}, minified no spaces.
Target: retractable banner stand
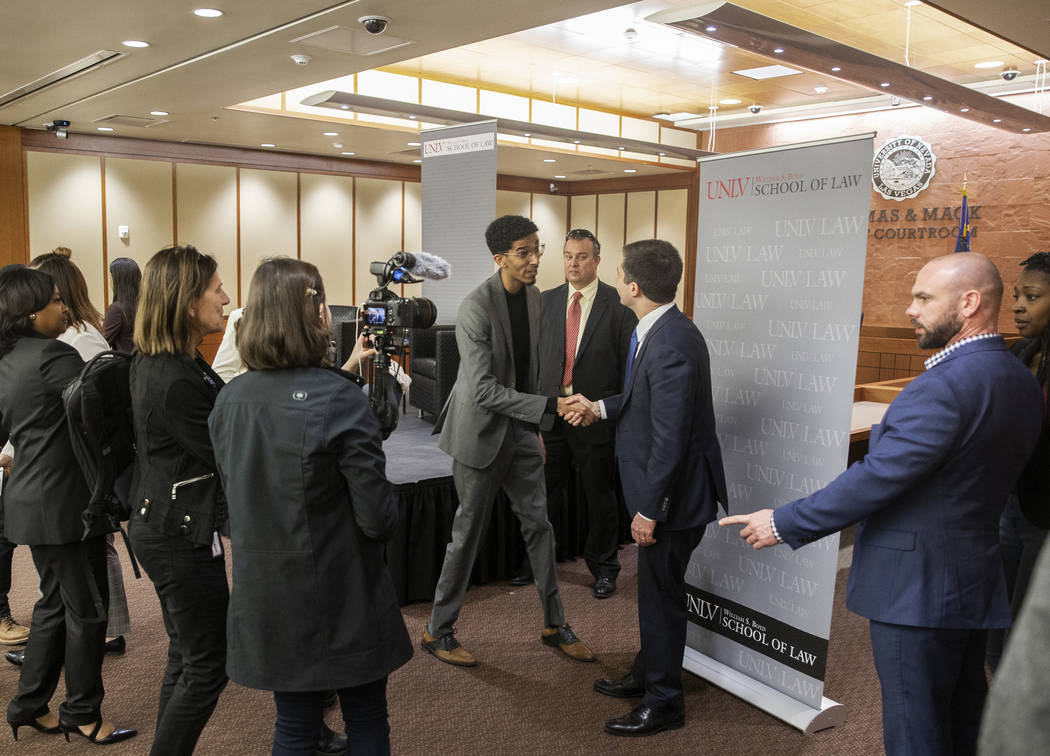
{"x":459,"y":202}
{"x":779,"y":278}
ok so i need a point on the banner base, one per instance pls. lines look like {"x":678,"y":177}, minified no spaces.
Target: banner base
{"x":781,"y":706}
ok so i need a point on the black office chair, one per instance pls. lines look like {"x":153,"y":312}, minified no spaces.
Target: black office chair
{"x":433,"y":366}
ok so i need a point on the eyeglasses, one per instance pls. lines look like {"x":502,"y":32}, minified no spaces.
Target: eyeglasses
{"x":526,"y":252}
{"x":582,"y":233}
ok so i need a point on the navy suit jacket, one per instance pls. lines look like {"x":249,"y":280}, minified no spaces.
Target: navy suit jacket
{"x":929,"y":494}
{"x":666,"y":449}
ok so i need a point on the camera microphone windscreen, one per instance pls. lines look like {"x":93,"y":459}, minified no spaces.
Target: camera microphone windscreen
{"x":429,"y":266}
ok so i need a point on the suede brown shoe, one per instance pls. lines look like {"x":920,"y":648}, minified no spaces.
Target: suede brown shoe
{"x":11,"y":632}
{"x":447,"y":649}
{"x":565,"y":640}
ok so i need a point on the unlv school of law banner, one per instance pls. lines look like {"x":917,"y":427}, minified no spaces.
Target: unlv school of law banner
{"x":779,"y":278}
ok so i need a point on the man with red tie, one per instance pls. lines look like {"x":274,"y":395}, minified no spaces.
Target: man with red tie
{"x":583,"y":350}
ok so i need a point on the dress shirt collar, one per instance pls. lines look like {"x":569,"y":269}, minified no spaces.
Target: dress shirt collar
{"x":942,"y":355}
{"x":589,"y":291}
{"x":648,"y":321}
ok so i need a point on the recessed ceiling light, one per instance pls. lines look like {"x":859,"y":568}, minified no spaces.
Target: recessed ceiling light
{"x":415,"y":144}
{"x":820,"y":90}
{"x":729,"y":102}
{"x":912,"y":3}
{"x":417,"y":160}
{"x":1026,"y":129}
{"x":630,"y":170}
{"x":207,"y":12}
{"x":559,"y":177}
{"x":105,"y":128}
{"x":964,"y":110}
{"x":345,"y":107}
{"x":778,"y":50}
{"x":549,"y":160}
{"x":621,"y":148}
{"x":836,"y":68}
{"x":331,"y":133}
{"x":346,"y":153}
{"x":711,"y":28}
{"x":575,"y":141}
{"x":997,"y":120}
{"x":527,"y":133}
{"x":662,"y":154}
{"x":679,"y":116}
{"x":988,"y":64}
{"x":411,"y":117}
{"x":928,"y":98}
{"x":337,"y":145}
{"x":158,"y":112}
{"x":767,"y":72}
{"x":266,"y":144}
{"x":884,"y":84}
{"x":134,"y":43}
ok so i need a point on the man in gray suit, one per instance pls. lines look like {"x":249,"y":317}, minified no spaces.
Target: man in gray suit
{"x":490,"y":427}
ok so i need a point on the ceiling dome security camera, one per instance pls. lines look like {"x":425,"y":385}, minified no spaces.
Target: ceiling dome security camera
{"x":374,"y":24}
{"x":755,"y":108}
{"x":1009,"y":74}
{"x":301,"y":60}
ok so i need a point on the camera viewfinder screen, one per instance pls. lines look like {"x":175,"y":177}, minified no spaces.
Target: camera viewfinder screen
{"x":375,"y":315}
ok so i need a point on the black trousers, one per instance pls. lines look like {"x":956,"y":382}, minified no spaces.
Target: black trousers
{"x":68,"y":628}
{"x":597,"y":467}
{"x":662,"y":616}
{"x":193,"y":592}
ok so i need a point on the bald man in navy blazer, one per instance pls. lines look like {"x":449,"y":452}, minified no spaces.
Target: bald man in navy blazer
{"x":671,"y":469}
{"x":926,"y":570}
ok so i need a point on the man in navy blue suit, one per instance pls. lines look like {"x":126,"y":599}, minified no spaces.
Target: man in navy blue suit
{"x":671,"y":471}
{"x":926,"y":566}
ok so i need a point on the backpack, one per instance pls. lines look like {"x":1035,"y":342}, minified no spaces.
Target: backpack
{"x":98,"y":407}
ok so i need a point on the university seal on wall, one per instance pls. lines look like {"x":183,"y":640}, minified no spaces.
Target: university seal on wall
{"x":903,"y":168}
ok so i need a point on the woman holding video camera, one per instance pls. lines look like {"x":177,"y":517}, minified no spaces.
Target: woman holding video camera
{"x":310,"y":509}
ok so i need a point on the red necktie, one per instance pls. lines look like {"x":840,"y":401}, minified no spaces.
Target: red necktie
{"x":572,"y":332}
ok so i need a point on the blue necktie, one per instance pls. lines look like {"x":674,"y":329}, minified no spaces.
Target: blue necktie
{"x":632,"y":347}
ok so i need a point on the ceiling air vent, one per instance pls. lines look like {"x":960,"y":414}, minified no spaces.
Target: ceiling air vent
{"x":587,"y":172}
{"x":88,"y":63}
{"x":353,"y":41}
{"x":121,"y":120}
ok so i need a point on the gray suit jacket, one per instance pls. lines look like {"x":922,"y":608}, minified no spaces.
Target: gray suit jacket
{"x":483,"y":401}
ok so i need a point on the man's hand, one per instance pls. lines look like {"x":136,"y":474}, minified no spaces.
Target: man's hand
{"x":642,"y":531}
{"x":7,"y":463}
{"x":358,"y":360}
{"x":578,"y":410}
{"x":758,"y":527}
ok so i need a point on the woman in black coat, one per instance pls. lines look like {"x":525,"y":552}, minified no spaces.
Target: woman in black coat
{"x":118,"y":328}
{"x":177,"y":508}
{"x":43,"y":503}
{"x":300,"y":455}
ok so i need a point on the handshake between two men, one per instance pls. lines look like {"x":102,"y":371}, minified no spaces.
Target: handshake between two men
{"x":578,"y":410}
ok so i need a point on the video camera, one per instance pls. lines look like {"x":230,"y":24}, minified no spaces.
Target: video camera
{"x":388,"y":318}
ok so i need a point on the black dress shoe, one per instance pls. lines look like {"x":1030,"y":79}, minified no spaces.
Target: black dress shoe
{"x":16,"y":657}
{"x":331,"y":742}
{"x":643,"y":721}
{"x":116,"y":647}
{"x":522,"y":577}
{"x":604,"y":587}
{"x":625,"y":687}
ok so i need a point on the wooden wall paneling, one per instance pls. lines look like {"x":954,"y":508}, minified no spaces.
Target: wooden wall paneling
{"x":138,"y":194}
{"x":207,"y":217}
{"x":583,"y":213}
{"x":412,"y":228}
{"x":14,"y":240}
{"x":268,"y":219}
{"x":512,"y":203}
{"x":551,"y":213}
{"x":671,"y":205}
{"x":65,"y":209}
{"x":327,"y":224}
{"x":611,"y":218}
{"x":377,"y":229}
{"x":641,"y":215}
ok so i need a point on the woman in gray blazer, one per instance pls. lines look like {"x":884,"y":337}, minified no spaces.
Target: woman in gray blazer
{"x":43,"y":503}
{"x":310,"y":509}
